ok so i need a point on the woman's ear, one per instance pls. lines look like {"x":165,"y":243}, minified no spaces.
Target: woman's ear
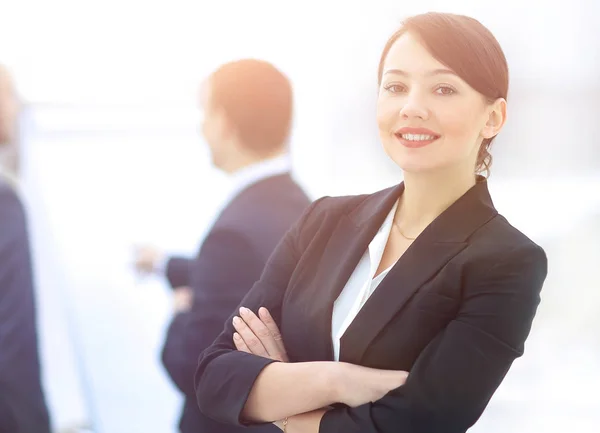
{"x":496,"y":118}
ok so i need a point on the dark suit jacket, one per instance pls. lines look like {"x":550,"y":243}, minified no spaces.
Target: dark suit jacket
{"x":178,"y":271}
{"x":454,"y":311}
{"x":230,"y":260}
{"x":22,"y":405}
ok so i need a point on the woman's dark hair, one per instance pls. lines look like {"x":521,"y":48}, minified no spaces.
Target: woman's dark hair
{"x":468,"y":48}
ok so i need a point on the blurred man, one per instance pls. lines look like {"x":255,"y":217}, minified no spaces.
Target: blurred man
{"x":22,"y":404}
{"x":247,"y":108}
{"x":9,"y":107}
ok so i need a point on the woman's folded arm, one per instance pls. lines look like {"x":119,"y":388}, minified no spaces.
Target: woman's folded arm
{"x":454,"y":378}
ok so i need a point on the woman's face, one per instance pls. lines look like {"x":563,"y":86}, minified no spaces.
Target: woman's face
{"x":429,"y":118}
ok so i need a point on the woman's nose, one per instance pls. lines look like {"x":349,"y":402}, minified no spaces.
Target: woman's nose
{"x":414,"y":107}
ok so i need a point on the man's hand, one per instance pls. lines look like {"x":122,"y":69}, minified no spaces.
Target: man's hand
{"x":258,"y":335}
{"x":182,"y":299}
{"x":147,"y":258}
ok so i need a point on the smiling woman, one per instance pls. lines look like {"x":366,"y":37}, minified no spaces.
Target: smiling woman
{"x":403,"y":310}
{"x":440,"y":77}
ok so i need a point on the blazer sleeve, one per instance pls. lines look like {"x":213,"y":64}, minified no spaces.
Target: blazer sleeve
{"x":221,"y":275}
{"x":225,"y":376}
{"x":178,"y":271}
{"x":8,"y":419}
{"x":455,"y":376}
{"x":16,"y":304}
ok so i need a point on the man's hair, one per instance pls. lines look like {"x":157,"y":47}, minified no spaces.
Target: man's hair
{"x":257,"y":99}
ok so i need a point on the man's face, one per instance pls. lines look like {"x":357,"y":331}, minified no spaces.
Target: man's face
{"x":8,"y":109}
{"x":214,"y":128}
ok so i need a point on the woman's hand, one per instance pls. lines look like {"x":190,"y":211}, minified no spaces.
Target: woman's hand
{"x":258,"y":335}
{"x":357,"y":385}
{"x":354,"y":385}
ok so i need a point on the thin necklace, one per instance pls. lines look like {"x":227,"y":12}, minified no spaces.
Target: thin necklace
{"x":402,"y":234}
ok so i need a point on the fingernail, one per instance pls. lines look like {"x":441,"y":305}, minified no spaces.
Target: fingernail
{"x":236,"y":320}
{"x":263,"y":312}
{"x":236,"y":336}
{"x":243,"y":311}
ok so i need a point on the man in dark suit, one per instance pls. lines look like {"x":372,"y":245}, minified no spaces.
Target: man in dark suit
{"x":22,"y":404}
{"x":247,"y":108}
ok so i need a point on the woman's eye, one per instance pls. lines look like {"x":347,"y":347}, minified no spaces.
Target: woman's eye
{"x":394,"y":88}
{"x":445,"y":90}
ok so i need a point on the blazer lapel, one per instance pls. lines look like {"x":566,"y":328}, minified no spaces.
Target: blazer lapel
{"x":445,"y":237}
{"x":342,"y":253}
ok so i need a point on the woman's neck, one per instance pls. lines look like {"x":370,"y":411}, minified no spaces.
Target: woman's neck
{"x":427,"y":195}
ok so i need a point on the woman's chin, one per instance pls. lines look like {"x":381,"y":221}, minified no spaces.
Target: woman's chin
{"x":415,"y":167}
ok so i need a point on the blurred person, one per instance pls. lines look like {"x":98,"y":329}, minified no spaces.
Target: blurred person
{"x":9,"y":109}
{"x":247,"y":107}
{"x":402,"y":310}
{"x":151,"y":260}
{"x":22,"y":404}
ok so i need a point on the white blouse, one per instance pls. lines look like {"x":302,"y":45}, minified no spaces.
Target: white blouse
{"x":361,"y":284}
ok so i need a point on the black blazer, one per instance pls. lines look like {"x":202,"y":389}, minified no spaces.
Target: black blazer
{"x":230,"y":260}
{"x":22,"y":404}
{"x":454,"y":311}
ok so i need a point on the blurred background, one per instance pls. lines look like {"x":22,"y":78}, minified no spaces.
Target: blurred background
{"x":109,"y":129}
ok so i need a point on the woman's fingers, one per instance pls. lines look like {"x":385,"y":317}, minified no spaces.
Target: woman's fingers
{"x":240,"y":344}
{"x":269,"y":322}
{"x":260,"y":330}
{"x":251,"y":341}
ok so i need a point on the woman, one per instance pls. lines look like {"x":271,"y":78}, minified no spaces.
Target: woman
{"x":425,"y":277}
